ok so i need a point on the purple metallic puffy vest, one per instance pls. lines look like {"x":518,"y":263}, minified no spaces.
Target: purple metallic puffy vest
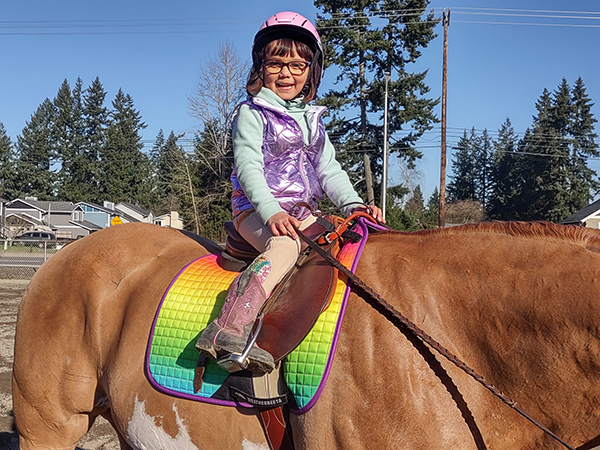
{"x":289,"y":164}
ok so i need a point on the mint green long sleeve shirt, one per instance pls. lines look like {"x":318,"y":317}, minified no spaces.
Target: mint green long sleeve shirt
{"x":247,"y":137}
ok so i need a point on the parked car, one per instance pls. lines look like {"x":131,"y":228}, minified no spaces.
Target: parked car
{"x":33,"y":238}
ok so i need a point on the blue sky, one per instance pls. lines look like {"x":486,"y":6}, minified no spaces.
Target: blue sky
{"x":153,"y":50}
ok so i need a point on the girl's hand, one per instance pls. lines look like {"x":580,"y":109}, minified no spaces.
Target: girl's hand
{"x":281,"y":225}
{"x":373,"y":211}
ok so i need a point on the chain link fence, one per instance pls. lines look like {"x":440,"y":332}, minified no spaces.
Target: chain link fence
{"x":19,"y":258}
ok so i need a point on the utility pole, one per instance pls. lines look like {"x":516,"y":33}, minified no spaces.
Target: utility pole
{"x":384,"y":178}
{"x":442,"y":217}
{"x":363,"y":131}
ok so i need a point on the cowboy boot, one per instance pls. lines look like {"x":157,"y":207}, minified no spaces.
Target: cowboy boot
{"x":229,"y":332}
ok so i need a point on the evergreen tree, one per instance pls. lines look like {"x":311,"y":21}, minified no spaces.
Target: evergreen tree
{"x":35,"y":154}
{"x":558,"y":182}
{"x":506,"y":185}
{"x":415,"y":206}
{"x":174,"y":175}
{"x":7,"y":166}
{"x":484,"y":156}
{"x":365,"y":39}
{"x":582,"y":180}
{"x":214,"y":188}
{"x":463,"y":183}
{"x":95,"y":123}
{"x":433,"y":209}
{"x":157,"y":167}
{"x":66,"y":136}
{"x":124,"y":169}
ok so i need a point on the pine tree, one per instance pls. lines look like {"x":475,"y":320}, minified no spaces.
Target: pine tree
{"x":214,"y":189}
{"x":364,"y":39}
{"x":155,"y":155}
{"x":124,"y":169}
{"x":506,"y":184}
{"x":583,"y":183}
{"x":7,"y":166}
{"x":66,"y":137}
{"x":175,"y":187}
{"x":484,"y":156}
{"x":415,"y":206}
{"x":433,"y":209}
{"x":35,"y":154}
{"x":95,"y":123}
{"x":558,"y":182}
{"x":463,"y":183}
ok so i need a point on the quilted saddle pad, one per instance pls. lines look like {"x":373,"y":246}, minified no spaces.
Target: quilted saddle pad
{"x":194,"y":298}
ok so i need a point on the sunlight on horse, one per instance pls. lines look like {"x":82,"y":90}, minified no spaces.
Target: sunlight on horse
{"x":519,"y":303}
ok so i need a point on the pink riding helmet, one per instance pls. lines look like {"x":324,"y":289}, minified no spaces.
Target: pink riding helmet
{"x":291,"y":25}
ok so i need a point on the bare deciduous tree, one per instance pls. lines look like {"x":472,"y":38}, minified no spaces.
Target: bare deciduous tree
{"x":219,"y":89}
{"x":465,"y":211}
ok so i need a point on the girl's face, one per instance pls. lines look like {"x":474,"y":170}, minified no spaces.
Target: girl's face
{"x":285,"y":84}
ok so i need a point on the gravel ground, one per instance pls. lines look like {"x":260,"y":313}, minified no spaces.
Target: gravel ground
{"x":100,"y":437}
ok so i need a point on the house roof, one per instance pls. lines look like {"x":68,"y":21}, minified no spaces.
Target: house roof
{"x":26,"y":217}
{"x":86,"y":224}
{"x":125,"y":216}
{"x":136,"y":208}
{"x":581,"y":215}
{"x":53,"y":206}
{"x":46,"y":206}
{"x":95,"y":205}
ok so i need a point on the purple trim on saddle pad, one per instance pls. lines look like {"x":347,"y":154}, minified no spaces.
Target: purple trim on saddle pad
{"x":364,"y":231}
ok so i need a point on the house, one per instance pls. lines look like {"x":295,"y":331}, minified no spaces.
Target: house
{"x":93,"y":217}
{"x":169,"y":220}
{"x":73,"y":221}
{"x":29,"y":214}
{"x":129,"y":212}
{"x":587,"y":217}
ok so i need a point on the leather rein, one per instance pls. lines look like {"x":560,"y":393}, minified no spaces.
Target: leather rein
{"x":396,"y":317}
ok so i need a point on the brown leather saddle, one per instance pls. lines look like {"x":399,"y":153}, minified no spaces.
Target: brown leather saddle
{"x":296,"y":303}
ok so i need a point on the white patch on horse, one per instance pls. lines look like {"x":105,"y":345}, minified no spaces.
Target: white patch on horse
{"x":247,"y":445}
{"x":144,"y":434}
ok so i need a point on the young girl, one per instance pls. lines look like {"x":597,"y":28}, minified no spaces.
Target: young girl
{"x":282,"y":156}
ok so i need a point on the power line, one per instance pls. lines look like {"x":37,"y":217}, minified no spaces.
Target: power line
{"x":114,"y":27}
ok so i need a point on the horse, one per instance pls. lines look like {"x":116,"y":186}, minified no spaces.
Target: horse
{"x":518,"y":302}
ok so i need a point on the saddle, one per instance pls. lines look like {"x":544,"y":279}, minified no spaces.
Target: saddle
{"x":296,"y":303}
{"x":300,"y":301}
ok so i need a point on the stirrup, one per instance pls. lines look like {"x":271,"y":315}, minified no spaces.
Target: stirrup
{"x":234,"y":362}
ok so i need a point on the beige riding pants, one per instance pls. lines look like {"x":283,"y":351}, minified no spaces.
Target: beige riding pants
{"x":278,"y":253}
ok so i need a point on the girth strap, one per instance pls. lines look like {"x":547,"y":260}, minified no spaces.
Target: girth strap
{"x":275,"y":426}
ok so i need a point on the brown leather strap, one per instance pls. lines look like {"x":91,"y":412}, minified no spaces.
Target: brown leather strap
{"x":275,"y":426}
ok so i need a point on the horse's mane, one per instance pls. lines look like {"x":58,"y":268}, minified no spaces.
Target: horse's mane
{"x":545,"y":230}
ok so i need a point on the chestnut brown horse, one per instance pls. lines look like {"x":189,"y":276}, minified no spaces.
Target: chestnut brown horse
{"x":520,"y":303}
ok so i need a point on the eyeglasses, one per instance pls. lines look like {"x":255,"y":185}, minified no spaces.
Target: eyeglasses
{"x":295,"y":67}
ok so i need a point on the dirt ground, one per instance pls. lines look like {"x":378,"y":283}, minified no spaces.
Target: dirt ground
{"x":100,"y":437}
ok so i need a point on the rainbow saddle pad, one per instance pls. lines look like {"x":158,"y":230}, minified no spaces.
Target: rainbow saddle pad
{"x":193,"y":300}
